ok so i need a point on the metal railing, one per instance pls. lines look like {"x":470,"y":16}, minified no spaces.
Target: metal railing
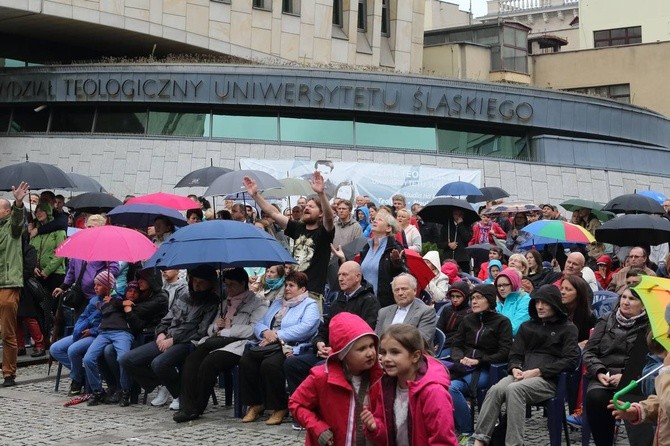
{"x":529,"y":5}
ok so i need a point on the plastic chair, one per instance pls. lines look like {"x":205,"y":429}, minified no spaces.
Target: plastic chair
{"x":68,"y":318}
{"x":230,"y":381}
{"x":474,"y":280}
{"x":602,"y":295}
{"x":604,"y":306}
{"x":438,"y":342}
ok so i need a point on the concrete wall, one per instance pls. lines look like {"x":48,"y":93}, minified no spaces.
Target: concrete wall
{"x":458,"y":60}
{"x":237,"y":29}
{"x":441,"y":14}
{"x":642,"y":66}
{"x":138,"y":166}
{"x":652,"y":15}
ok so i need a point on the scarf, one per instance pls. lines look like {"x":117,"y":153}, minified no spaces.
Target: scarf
{"x":232,"y":304}
{"x":360,"y":385}
{"x":273,"y":284}
{"x":484,"y":232}
{"x":285,"y":305}
{"x":628,"y":322}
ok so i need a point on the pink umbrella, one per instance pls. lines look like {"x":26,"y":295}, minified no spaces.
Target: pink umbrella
{"x":107,"y":244}
{"x":171,"y":201}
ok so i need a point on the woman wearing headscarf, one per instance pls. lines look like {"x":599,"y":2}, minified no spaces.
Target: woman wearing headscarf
{"x":512,"y":299}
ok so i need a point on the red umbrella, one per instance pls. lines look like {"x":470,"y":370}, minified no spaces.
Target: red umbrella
{"x":418,"y":268}
{"x":107,"y":244}
{"x":171,"y":201}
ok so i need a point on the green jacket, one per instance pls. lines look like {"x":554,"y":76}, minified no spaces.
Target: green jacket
{"x":11,"y":251}
{"x":45,"y":245}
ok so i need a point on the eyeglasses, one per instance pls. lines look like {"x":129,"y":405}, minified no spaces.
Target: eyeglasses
{"x":504,"y":285}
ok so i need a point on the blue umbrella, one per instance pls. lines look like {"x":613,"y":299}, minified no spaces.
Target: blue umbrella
{"x":457,"y":188}
{"x":656,"y":196}
{"x":222,"y":244}
{"x":142,"y":216}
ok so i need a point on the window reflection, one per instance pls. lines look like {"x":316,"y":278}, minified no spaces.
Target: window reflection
{"x":26,"y":119}
{"x":5,"y":115}
{"x":72,"y":120}
{"x":245,"y":127}
{"x":395,"y":136}
{"x":479,"y":144}
{"x":178,"y":123}
{"x":114,"y":120}
{"x":317,"y":130}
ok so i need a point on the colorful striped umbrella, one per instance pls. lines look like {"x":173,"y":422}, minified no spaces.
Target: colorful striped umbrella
{"x":655,"y":295}
{"x":560,"y":231}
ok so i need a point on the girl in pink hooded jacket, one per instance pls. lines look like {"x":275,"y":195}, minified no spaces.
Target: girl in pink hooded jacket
{"x":411,"y":404}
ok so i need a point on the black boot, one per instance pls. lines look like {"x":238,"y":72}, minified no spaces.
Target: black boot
{"x":97,"y":398}
{"x":113,"y":396}
{"x":124,"y":401}
{"x":181,"y":417}
{"x":75,"y":388}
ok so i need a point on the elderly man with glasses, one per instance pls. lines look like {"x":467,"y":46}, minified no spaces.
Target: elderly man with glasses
{"x":637,"y":259}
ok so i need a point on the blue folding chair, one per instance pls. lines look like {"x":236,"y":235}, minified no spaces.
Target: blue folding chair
{"x":438,"y":342}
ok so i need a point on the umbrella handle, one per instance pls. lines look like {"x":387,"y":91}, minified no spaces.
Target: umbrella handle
{"x":625,"y":390}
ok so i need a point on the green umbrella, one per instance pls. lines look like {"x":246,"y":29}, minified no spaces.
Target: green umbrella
{"x":577,"y":203}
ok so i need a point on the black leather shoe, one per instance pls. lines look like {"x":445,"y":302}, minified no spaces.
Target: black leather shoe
{"x":182,"y":417}
{"x":21,"y":352}
{"x":96,"y":399}
{"x":124,"y":401}
{"x":10,"y":381}
{"x":37,"y":353}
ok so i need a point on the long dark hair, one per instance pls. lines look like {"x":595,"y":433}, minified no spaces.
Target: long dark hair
{"x":581,"y":316}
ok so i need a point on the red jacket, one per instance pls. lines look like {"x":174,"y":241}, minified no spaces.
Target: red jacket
{"x":484,"y":271}
{"x":497,"y":232}
{"x":431,"y":411}
{"x":326,"y":400}
{"x":604,"y":281}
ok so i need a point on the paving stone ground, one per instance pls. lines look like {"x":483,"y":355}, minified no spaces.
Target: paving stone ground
{"x":33,"y":414}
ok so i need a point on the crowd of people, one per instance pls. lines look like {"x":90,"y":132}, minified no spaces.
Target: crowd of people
{"x":344,"y":339}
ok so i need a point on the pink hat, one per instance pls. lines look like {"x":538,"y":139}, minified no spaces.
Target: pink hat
{"x":106,"y":279}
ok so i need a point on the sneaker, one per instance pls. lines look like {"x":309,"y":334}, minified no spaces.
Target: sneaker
{"x":10,"y":381}
{"x":124,"y":400}
{"x":174,"y":405}
{"x":38,"y":352}
{"x":464,"y":440}
{"x":75,"y":389}
{"x":574,"y":420}
{"x":161,"y":397}
{"x":96,"y":399}
{"x":297,"y":427}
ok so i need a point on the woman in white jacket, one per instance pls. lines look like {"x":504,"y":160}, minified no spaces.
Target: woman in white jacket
{"x":439,"y":285}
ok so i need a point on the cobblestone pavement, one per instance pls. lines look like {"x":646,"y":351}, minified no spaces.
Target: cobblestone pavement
{"x":33,"y":414}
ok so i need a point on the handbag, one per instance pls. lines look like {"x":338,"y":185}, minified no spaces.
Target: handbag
{"x":263,"y":352}
{"x":74,"y":296}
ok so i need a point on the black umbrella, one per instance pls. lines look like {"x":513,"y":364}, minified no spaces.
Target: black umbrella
{"x":488,"y":194}
{"x":635,"y":229}
{"x":37,"y":175}
{"x":440,"y":210}
{"x":485,"y":248}
{"x":83,"y":183}
{"x":93,"y":202}
{"x":231,"y":182}
{"x":202,"y":177}
{"x":633,"y":204}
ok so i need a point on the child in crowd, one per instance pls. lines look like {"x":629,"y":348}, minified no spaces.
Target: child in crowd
{"x":411,"y":404}
{"x":495,"y":266}
{"x":323,"y":402}
{"x":656,"y":408}
{"x":114,"y":329}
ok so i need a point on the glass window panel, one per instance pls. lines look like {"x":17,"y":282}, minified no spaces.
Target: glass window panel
{"x":508,"y":36}
{"x":614,"y":42}
{"x":317,"y":130}
{"x":601,"y":35}
{"x":619,"y":32}
{"x":635,"y":40}
{"x":521,"y":38}
{"x":487,"y":36}
{"x":245,"y":127}
{"x":620,"y":89}
{"x":72,"y":120}
{"x":395,"y":136}
{"x":635,"y":31}
{"x":26,"y":119}
{"x":434,"y":39}
{"x":470,"y":143}
{"x":178,"y":123}
{"x":508,"y":58}
{"x":121,"y":120}
{"x":602,"y":43}
{"x":496,"y":62}
{"x":5,"y":115}
{"x":461,"y":36}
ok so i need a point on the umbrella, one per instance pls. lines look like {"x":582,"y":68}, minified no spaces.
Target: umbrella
{"x":354,"y":247}
{"x":539,"y":242}
{"x":596,"y":208}
{"x":93,"y":202}
{"x":488,"y":194}
{"x":171,"y":201}
{"x":633,"y":204}
{"x":222,"y":244}
{"x":37,"y":175}
{"x":513,"y":208}
{"x":83,"y":183}
{"x":440,"y":210}
{"x":457,"y":188}
{"x":418,"y":268}
{"x":231,"y":182}
{"x":655,"y":295}
{"x":202,"y":177}
{"x":635,"y":229}
{"x":486,"y":247}
{"x":107,"y":244}
{"x":559,"y":231}
{"x":290,"y":186}
{"x":142,"y":216}
{"x":656,"y":196}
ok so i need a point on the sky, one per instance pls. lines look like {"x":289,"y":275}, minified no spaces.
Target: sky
{"x":478,"y":6}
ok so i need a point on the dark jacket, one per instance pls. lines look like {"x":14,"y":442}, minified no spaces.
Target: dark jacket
{"x":451,"y":232}
{"x":610,"y":344}
{"x":362,"y":303}
{"x":486,"y":336}
{"x":147,"y":313}
{"x":387,"y":270}
{"x":28,"y":304}
{"x":113,"y":316}
{"x":450,"y":317}
{"x":189,"y":318}
{"x":58,"y":223}
{"x":549,"y":344}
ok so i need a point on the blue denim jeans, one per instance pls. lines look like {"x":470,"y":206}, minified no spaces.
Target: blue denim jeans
{"x":459,"y":389}
{"x":122,"y":341}
{"x":71,"y":355}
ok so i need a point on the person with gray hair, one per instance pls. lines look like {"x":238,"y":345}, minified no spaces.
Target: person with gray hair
{"x":408,"y":309}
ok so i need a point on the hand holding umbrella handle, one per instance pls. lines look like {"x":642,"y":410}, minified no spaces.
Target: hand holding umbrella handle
{"x":625,"y":390}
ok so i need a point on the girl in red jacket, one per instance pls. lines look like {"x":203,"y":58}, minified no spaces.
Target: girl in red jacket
{"x":411,"y":404}
{"x":330,"y":401}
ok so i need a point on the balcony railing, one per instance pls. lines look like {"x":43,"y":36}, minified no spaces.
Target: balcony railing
{"x":516,"y":6}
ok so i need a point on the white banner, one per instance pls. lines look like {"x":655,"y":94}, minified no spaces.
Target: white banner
{"x":378,"y":181}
